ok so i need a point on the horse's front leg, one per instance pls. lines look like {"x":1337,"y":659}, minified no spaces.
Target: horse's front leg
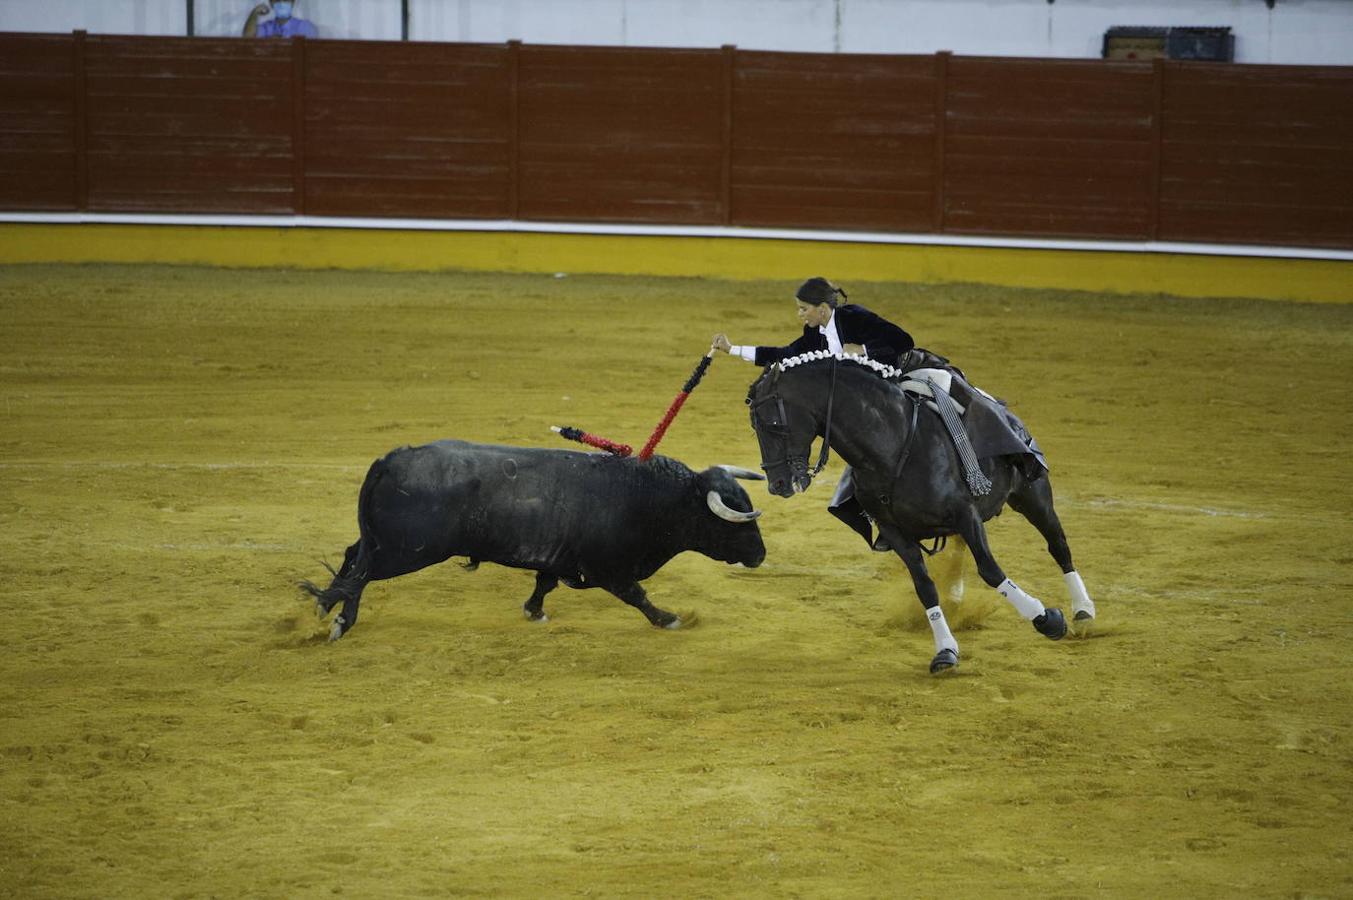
{"x":946,"y":648}
{"x":1047,"y":621}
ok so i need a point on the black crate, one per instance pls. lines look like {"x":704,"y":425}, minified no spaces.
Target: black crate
{"x":1215,"y":44}
{"x":1185,"y":42}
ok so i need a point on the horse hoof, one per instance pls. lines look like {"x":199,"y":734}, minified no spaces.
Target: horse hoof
{"x":945,"y":660}
{"x":337,"y":630}
{"x":1052,"y":624}
{"x":1083,"y":616}
{"x":1082,"y":623}
{"x":535,"y":616}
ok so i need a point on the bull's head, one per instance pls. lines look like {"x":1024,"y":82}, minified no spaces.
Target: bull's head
{"x":736,"y":538}
{"x":785,"y":434}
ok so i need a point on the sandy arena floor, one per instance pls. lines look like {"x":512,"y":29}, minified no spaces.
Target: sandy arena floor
{"x":181,"y":445}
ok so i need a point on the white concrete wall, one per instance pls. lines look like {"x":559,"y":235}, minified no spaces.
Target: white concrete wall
{"x":1293,"y":32}
{"x":372,"y":20}
{"x":103,"y":16}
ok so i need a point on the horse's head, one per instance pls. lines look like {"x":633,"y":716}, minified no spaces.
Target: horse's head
{"x":785,"y":428}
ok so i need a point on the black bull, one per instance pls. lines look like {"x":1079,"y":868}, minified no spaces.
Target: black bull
{"x":586,"y":519}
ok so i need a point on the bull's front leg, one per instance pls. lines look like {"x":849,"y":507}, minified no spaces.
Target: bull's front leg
{"x":534,"y":607}
{"x":635,"y":596}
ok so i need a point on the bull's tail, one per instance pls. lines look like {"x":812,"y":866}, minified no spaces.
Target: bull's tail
{"x":351,"y":578}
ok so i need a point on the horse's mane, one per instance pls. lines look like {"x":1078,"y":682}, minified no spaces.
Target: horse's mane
{"x":882,"y":369}
{"x":885,"y":372}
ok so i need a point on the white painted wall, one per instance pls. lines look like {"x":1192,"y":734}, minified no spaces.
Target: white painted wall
{"x":372,"y":20}
{"x":1293,"y":32}
{"x":103,"y":16}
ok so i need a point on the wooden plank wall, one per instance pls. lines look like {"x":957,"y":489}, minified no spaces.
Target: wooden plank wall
{"x":421,"y":133}
{"x":1257,"y":154}
{"x":1048,"y":147}
{"x":38,"y":122}
{"x":963,"y":145}
{"x":621,"y":135}
{"x":830,"y":141}
{"x":189,"y":125}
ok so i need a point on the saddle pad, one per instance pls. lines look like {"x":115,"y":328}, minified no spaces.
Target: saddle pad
{"x":992,"y":428}
{"x":915,"y":382}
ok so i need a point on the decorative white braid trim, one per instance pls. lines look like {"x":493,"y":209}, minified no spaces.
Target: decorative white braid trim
{"x":885,"y":371}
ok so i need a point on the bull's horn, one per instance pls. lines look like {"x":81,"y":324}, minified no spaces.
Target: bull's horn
{"x":722,"y":510}
{"x":739,"y":472}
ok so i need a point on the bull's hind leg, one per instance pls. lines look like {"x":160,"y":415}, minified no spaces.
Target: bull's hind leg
{"x":1033,"y":501}
{"x":534,"y":607}
{"x":1047,"y":621}
{"x":635,"y":596}
{"x":946,"y":647}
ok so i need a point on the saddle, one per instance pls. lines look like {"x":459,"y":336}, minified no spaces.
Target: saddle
{"x":987,"y":424}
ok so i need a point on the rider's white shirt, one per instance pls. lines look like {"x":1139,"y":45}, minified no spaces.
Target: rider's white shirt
{"x":833,"y":339}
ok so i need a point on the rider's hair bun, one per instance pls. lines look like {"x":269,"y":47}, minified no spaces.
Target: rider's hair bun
{"x":819,"y":290}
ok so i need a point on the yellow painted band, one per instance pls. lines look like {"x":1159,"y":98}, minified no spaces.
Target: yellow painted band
{"x":1186,"y":275}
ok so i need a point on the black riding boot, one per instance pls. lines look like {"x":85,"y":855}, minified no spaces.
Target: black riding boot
{"x":851,"y":513}
{"x":846,"y":508}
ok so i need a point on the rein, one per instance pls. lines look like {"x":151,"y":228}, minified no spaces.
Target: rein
{"x":798,"y":466}
{"x":910,"y":441}
{"x":827,"y":431}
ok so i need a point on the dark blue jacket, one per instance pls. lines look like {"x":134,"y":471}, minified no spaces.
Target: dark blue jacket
{"x":882,"y":340}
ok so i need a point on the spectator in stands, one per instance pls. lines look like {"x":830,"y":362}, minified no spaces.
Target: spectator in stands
{"x":282,"y":23}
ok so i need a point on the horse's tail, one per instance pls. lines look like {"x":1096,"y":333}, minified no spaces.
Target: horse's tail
{"x":352,"y":577}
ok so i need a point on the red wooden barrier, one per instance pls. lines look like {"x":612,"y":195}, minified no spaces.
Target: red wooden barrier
{"x":834,"y":141}
{"x":621,"y":135}
{"x":189,"y":125}
{"x":38,"y":104}
{"x":996,"y":146}
{"x":1048,"y":147}
{"x":1257,"y":154}
{"x":421,"y":133}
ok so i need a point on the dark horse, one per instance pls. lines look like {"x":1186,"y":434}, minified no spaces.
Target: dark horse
{"x":908,"y":476}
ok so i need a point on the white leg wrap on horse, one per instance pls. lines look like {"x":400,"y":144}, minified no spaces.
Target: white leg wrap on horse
{"x":1080,"y":599}
{"x":944,"y":638}
{"x":1028,"y":607}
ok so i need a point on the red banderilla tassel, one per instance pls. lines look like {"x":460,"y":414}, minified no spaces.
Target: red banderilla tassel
{"x":675,"y":408}
{"x":583,"y":437}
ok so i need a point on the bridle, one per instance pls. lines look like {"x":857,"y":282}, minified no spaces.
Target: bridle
{"x":798,"y":466}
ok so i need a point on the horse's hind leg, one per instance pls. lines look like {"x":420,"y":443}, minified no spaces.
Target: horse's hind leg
{"x":1049,"y":622}
{"x":1033,"y":501}
{"x":946,"y":648}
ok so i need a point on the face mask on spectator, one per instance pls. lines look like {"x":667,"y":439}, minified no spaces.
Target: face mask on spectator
{"x":282,"y":10}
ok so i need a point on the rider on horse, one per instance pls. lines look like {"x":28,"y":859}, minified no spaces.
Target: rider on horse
{"x":841,"y":328}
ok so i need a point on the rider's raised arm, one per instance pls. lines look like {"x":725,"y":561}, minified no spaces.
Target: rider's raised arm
{"x":764,"y":356}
